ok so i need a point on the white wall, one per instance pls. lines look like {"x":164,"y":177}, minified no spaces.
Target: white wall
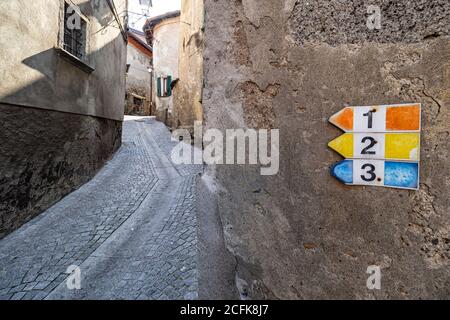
{"x":33,"y":73}
{"x":165,"y":57}
{"x":138,"y":75}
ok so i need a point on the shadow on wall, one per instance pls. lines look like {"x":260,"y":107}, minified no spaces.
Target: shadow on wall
{"x":55,"y":83}
{"x":105,"y":21}
{"x":51,"y":140}
{"x":63,"y":86}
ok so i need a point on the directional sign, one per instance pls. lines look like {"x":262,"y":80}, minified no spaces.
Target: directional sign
{"x":397,"y":146}
{"x":395,"y":174}
{"x":392,"y":118}
{"x":373,"y":134}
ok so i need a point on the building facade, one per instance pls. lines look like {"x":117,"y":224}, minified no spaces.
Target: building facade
{"x":63,"y":66}
{"x":139,"y":75}
{"x":189,"y":89}
{"x":162,"y":34}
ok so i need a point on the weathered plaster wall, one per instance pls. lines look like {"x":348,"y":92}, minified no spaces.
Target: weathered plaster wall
{"x":45,"y":155}
{"x":165,"y":62}
{"x":34,"y":75}
{"x":138,"y":74}
{"x":290,"y":65}
{"x":139,"y":80}
{"x":189,"y":90}
{"x":59,"y":124}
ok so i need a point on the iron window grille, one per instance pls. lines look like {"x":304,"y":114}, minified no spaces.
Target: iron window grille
{"x":74,"y":37}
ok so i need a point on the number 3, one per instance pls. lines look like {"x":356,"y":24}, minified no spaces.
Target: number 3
{"x":371,"y":172}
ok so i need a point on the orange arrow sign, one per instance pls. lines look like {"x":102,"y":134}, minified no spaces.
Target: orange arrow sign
{"x":388,"y":118}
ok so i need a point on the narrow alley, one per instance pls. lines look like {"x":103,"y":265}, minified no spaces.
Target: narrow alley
{"x":321,"y":170}
{"x":131,"y":230}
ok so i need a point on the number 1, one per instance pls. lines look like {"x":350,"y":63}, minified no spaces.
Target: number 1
{"x":370,"y":121}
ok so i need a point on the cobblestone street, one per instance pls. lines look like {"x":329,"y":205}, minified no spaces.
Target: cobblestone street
{"x":132,"y":230}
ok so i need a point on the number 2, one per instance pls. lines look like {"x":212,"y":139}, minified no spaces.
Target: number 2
{"x":373,"y":142}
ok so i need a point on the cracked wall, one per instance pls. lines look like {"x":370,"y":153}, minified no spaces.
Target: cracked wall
{"x":291,"y":65}
{"x":187,"y":105}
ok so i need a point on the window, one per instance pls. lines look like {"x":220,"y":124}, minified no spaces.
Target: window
{"x":73,"y":45}
{"x":164,"y":86}
{"x":74,"y":32}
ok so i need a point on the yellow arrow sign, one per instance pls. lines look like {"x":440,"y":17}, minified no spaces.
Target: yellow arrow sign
{"x":396,"y":146}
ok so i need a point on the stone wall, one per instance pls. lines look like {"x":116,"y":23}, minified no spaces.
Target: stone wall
{"x":45,"y":155}
{"x":291,"y":65}
{"x":188,"y":91}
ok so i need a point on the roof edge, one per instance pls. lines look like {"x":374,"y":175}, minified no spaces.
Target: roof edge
{"x":150,"y":23}
{"x":138,"y":40}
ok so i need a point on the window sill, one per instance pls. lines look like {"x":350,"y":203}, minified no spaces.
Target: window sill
{"x":74,"y":60}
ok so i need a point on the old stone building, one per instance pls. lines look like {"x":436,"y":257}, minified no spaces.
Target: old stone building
{"x":139,"y":75}
{"x":177,"y":40}
{"x":189,"y":89}
{"x":290,"y":65}
{"x":163,"y":34}
{"x":63,"y":66}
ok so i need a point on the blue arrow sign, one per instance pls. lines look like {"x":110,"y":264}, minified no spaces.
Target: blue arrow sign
{"x":394,"y":174}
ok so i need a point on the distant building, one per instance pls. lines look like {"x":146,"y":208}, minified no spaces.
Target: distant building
{"x":62,"y":89}
{"x":139,"y":75}
{"x":162,"y":34}
{"x":177,"y":40}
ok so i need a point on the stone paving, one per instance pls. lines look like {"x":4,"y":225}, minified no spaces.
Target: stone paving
{"x":132,"y":230}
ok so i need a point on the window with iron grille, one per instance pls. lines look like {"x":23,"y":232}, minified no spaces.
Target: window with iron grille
{"x":74,"y":32}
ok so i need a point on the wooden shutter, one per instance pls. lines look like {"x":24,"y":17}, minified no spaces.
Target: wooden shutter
{"x":169,"y":86}
{"x":158,"y":86}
